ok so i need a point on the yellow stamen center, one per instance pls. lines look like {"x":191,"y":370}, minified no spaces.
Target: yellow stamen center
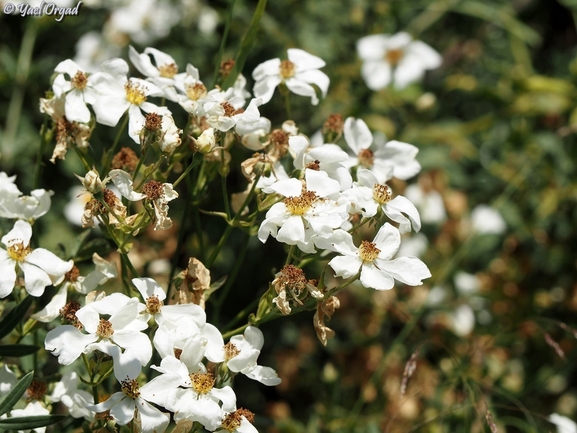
{"x":17,"y":251}
{"x":287,"y":69}
{"x":104,"y":329}
{"x":196,"y":91}
{"x":301,"y":204}
{"x":366,"y":158}
{"x":130,"y":387}
{"x":153,"y":305}
{"x":80,"y":80}
{"x":168,"y":71}
{"x":382,"y":194}
{"x":134,"y":93}
{"x":202,"y":382}
{"x":230,"y":350}
{"x":368,"y":251}
{"x":393,"y":57}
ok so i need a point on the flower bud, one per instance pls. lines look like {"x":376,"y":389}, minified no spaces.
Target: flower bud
{"x":206,"y":142}
{"x":91,"y":181}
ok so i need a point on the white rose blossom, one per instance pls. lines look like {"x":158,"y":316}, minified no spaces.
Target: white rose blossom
{"x":298,"y":72}
{"x":395,"y":58}
{"x":78,"y":90}
{"x":374,"y":260}
{"x":41,"y":268}
{"x":386,"y":160}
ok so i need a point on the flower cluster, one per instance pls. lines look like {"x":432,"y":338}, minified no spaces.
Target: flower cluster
{"x":317,"y":197}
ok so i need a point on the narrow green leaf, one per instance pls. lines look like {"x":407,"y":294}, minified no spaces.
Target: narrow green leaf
{"x":30,"y":422}
{"x":13,"y":396}
{"x":246,"y":45}
{"x":14,"y":316}
{"x":17,"y":350}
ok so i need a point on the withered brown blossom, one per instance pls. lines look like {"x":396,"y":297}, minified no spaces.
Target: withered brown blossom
{"x":291,"y":284}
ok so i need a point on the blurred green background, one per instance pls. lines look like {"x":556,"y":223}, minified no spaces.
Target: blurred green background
{"x":494,"y":330}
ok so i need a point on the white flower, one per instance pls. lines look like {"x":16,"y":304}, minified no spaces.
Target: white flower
{"x":302,"y":214}
{"x":33,"y":408}
{"x":119,"y":94}
{"x":395,"y":58}
{"x":161,"y":73}
{"x":133,"y":401}
{"x":27,"y":207}
{"x":41,"y":268}
{"x":223,"y":108}
{"x":369,"y":195}
{"x":196,"y":399}
{"x":563,"y":424}
{"x":373,"y":260}
{"x":192,"y":89}
{"x":122,"y":328}
{"x":144,"y":20}
{"x":92,"y":49}
{"x":78,"y":90}
{"x":297,"y":73}
{"x":241,"y":353}
{"x":76,"y":400}
{"x":486,"y":220}
{"x":388,"y":159}
{"x":102,"y":273}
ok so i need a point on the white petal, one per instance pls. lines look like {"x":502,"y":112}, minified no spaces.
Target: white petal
{"x":7,"y":274}
{"x":152,"y":420}
{"x":265,"y":375}
{"x":22,"y":231}
{"x":148,"y":287}
{"x":388,"y":240}
{"x":35,"y":279}
{"x":303,"y":60}
{"x":377,"y":74}
{"x":67,"y":343}
{"x":318,"y":78}
{"x":399,"y":206}
{"x":320,"y":183}
{"x":345,"y":266}
{"x":264,"y":88}
{"x":137,"y":342}
{"x":373,"y":278}
{"x":407,"y":270}
{"x":50,"y":263}
{"x":292,"y":231}
{"x":372,"y":47}
{"x":357,"y":134}
{"x":123,"y":182}
{"x":288,"y":187}
{"x":52,"y":310}
{"x":109,"y":109}
{"x":303,"y":89}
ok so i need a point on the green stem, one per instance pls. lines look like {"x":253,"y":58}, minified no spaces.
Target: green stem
{"x":231,"y":225}
{"x":41,"y":148}
{"x":224,"y":191}
{"x":185,"y":172}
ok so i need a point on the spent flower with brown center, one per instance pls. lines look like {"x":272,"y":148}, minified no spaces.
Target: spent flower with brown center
{"x":154,"y":305}
{"x":80,"y":80}
{"x":232,"y":421}
{"x":72,"y":275}
{"x":125,"y":159}
{"x":36,"y":390}
{"x":226,"y":67}
{"x":153,"y":121}
{"x":366,"y":158}
{"x":333,"y":128}
{"x":153,"y":189}
{"x":68,"y":314}
{"x":393,"y":57}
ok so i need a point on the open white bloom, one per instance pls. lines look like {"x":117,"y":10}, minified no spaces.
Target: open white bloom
{"x":368,"y":195}
{"x":297,"y":73}
{"x":93,"y":49}
{"x":387,"y":159}
{"x":78,"y":89}
{"x":76,"y":400}
{"x":395,"y":58}
{"x":224,"y":108}
{"x":161,"y":73}
{"x":374,"y":260}
{"x":121,"y":328}
{"x":194,"y":397}
{"x":117,"y":94}
{"x":27,"y":207}
{"x":154,"y":297}
{"x":192,"y":90}
{"x":41,"y":268}
{"x":133,"y":401}
{"x":303,"y":213}
{"x":430,"y":204}
{"x":241,"y":353}
{"x":74,"y":281}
